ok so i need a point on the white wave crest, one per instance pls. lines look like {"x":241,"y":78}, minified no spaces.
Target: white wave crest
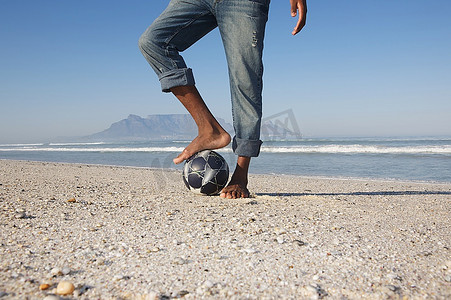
{"x":326,"y":149}
{"x":356,"y":149}
{"x":20,"y":145}
{"x":112,"y":149}
{"x":105,"y":149}
{"x":77,"y":144}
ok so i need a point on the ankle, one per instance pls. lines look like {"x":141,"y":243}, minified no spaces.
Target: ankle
{"x":211,"y":128}
{"x":239,"y":177}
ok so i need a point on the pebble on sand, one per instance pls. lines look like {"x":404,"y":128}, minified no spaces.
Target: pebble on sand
{"x":180,"y":261}
{"x":65,"y":288}
{"x":280,"y":231}
{"x":299,"y":243}
{"x":56,"y":272}
{"x":249,"y":251}
{"x":20,"y":214}
{"x":44,"y":286}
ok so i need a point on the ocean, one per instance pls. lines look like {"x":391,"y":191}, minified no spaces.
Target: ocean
{"x":417,"y":159}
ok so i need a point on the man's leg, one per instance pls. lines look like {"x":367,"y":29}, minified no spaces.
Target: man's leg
{"x":177,"y":28}
{"x":210,"y":134}
{"x":242,"y":27}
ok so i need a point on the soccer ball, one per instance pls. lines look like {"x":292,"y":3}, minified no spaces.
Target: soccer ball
{"x":206,"y":172}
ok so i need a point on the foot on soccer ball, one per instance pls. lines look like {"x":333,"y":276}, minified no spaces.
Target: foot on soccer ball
{"x":235,"y":190}
{"x":210,"y":141}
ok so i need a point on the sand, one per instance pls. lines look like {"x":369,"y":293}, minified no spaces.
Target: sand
{"x":138,"y":233}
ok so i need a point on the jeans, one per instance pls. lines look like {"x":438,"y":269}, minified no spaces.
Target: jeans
{"x":241,"y":24}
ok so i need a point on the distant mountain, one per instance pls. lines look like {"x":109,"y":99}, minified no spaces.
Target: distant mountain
{"x":182,"y":126}
{"x":154,"y":127}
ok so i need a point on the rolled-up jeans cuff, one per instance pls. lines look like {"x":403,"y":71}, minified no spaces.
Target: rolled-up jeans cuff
{"x":249,"y":148}
{"x":177,"y":77}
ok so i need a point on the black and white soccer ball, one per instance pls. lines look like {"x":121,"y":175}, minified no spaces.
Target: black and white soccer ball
{"x":206,"y":172}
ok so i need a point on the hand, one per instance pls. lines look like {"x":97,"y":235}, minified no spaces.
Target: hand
{"x":299,"y":8}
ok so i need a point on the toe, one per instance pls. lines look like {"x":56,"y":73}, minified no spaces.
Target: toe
{"x":181,"y":157}
{"x":178,"y":159}
{"x":234,"y":192}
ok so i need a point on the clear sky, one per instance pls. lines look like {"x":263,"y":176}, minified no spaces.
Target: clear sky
{"x":358,"y":68}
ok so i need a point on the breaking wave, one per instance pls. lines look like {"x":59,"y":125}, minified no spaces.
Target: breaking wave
{"x":326,"y":149}
{"x":361,"y":149}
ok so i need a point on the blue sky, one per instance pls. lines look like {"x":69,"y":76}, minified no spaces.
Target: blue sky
{"x":359,"y":68}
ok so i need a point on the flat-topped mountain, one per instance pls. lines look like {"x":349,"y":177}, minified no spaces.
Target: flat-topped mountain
{"x":182,"y":126}
{"x":153,"y":127}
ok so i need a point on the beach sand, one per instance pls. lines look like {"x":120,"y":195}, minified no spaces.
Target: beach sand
{"x":138,"y":233}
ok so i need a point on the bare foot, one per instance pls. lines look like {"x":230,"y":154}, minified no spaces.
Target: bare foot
{"x":235,"y":190}
{"x":237,"y":187}
{"x":210,"y":133}
{"x":211,"y":141}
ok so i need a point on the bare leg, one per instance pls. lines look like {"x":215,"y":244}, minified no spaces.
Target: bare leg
{"x":210,"y":134}
{"x":237,"y":187}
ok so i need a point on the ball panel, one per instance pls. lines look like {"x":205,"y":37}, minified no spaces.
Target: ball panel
{"x":203,"y":153}
{"x":195,"y":180}
{"x":215,"y":162}
{"x":185,"y":182}
{"x":222,"y":177}
{"x":198,"y":164}
{"x":209,"y":175}
{"x":209,"y":189}
{"x":185,"y":169}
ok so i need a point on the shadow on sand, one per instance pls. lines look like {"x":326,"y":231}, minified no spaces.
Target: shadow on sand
{"x":376,"y":193}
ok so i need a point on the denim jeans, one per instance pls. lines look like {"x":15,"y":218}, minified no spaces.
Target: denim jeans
{"x":241,"y":24}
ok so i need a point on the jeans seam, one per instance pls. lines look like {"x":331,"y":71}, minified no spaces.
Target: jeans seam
{"x":169,"y":39}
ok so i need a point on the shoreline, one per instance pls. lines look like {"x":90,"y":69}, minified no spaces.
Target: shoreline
{"x":137,"y":233}
{"x":320,"y":177}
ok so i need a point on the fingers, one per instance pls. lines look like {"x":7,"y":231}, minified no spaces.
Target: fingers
{"x":294,"y":8}
{"x":301,"y":6}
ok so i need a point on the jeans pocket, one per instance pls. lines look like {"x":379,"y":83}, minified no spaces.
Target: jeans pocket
{"x":263,"y":2}
{"x":260,"y":7}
